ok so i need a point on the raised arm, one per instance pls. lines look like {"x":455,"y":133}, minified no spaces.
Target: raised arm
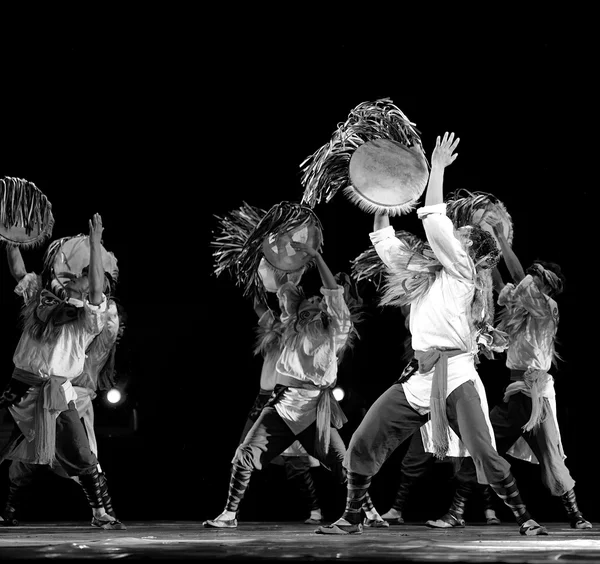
{"x":380,"y":221}
{"x":16,"y":265}
{"x":497,"y":281}
{"x":441,"y":157}
{"x":327,"y":277}
{"x":96,"y":269}
{"x":510,"y":258}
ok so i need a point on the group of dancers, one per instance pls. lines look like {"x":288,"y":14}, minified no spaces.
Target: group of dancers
{"x":71,"y":323}
{"x":448,"y":288}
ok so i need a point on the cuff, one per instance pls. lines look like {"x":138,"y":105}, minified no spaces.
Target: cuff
{"x":434,"y":209}
{"x":100,"y":307}
{"x":332,"y":291}
{"x":381,"y":234}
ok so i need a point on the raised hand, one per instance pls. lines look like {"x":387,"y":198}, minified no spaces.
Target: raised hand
{"x":496,"y":225}
{"x":304,"y":248}
{"x":96,"y":229}
{"x":442,"y":154}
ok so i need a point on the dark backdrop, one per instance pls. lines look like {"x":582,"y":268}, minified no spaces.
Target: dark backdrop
{"x":159,"y":120}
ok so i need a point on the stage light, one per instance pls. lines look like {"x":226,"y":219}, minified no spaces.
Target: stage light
{"x":338,"y":393}
{"x":114,"y":396}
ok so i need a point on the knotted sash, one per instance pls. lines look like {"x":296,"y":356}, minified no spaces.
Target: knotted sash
{"x":51,"y":400}
{"x":439,"y":387}
{"x":329,"y":412}
{"x":532,"y":383}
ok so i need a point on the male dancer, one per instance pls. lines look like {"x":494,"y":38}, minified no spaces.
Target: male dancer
{"x":530,"y":317}
{"x":98,"y":373}
{"x":444,"y":341}
{"x":302,"y":407}
{"x":49,"y":355}
{"x":296,"y":461}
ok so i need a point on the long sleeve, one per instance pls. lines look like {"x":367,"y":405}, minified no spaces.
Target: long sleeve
{"x":386,"y":244}
{"x":340,"y":314}
{"x":446,"y":247}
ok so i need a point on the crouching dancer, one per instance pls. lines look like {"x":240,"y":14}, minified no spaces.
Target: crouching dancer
{"x":444,"y":340}
{"x":302,"y":406}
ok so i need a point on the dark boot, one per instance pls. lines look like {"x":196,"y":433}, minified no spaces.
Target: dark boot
{"x":92,"y":486}
{"x":8,"y":517}
{"x":576,"y":519}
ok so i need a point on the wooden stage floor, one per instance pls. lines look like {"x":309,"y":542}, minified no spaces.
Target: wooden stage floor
{"x":295,"y":541}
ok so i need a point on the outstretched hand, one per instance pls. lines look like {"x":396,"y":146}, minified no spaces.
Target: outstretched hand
{"x":96,"y":228}
{"x":444,"y":149}
{"x":496,"y":224}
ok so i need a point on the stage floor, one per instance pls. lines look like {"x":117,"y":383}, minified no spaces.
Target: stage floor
{"x":180,"y":540}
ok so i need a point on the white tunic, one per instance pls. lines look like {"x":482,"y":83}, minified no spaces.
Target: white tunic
{"x":440,"y":318}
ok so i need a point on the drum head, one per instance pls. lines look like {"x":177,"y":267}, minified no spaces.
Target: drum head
{"x":280,"y":254}
{"x":387,"y":176}
{"x":25,"y":213}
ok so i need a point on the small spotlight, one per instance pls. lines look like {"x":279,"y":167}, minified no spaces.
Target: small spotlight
{"x":338,"y":393}
{"x":114,"y":396}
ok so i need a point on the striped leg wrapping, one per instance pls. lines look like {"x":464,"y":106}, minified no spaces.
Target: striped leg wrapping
{"x":238,"y":484}
{"x":106,"y":500}
{"x":357,"y":493}
{"x":508,"y":492}
{"x":93,"y":490}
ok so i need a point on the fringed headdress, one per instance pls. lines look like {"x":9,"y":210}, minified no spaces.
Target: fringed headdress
{"x":271,"y":240}
{"x":375,"y":157}
{"x":478,"y":208}
{"x":26,"y":218}
{"x":416,"y":266}
{"x":234,"y":229}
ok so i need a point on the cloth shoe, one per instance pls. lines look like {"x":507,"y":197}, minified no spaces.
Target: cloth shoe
{"x":580,"y":523}
{"x":493,"y":521}
{"x":8,"y":519}
{"x":393,"y":517}
{"x":448,"y":521}
{"x":532,"y":528}
{"x":114,"y":525}
{"x":221,"y":523}
{"x":376,"y":523}
{"x":311,"y":521}
{"x":341,"y":529}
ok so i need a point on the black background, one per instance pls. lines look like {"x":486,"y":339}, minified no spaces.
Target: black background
{"x":159,"y":120}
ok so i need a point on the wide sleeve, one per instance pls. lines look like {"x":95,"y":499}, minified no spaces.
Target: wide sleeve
{"x":28,"y":286}
{"x":528,"y":296}
{"x":109,"y":333}
{"x":386,"y":244}
{"x":289,"y":296}
{"x":446,"y":247}
{"x":95,"y":316}
{"x":339,"y":312}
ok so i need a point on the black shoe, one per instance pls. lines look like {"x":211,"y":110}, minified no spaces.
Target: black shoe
{"x":8,"y":519}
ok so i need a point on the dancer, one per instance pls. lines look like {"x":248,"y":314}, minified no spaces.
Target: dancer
{"x":296,"y":461}
{"x":98,"y":373}
{"x":49,"y":354}
{"x":302,"y":407}
{"x":530,"y":317}
{"x":444,"y":305}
